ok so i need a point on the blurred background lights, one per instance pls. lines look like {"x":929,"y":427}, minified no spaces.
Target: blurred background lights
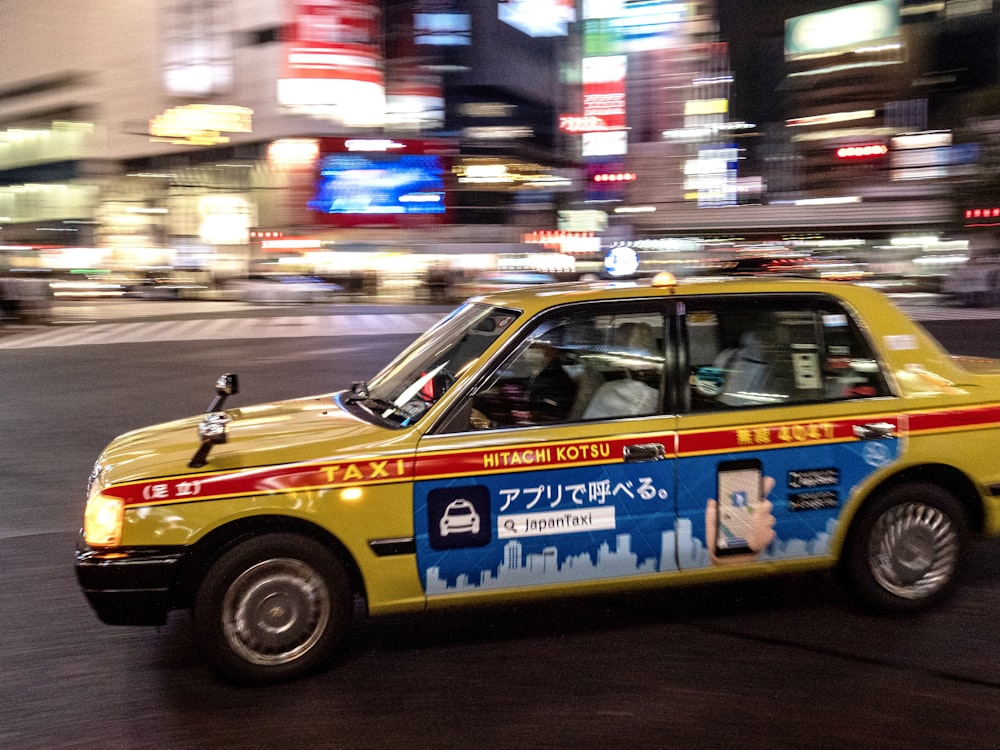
{"x":293,"y":152}
{"x":862,"y":152}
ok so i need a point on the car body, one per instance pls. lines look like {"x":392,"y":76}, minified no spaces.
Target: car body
{"x":975,"y":283}
{"x":25,"y":297}
{"x":686,"y":432}
{"x":166,"y":285}
{"x":499,"y":281}
{"x":279,"y":288}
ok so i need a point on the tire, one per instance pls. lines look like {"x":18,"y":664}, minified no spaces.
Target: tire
{"x":904,"y":550}
{"x":273,"y":608}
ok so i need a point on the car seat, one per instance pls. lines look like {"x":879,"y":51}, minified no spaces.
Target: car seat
{"x":629,"y":396}
{"x":635,"y":338}
{"x":758,"y":371}
{"x":623,"y":398}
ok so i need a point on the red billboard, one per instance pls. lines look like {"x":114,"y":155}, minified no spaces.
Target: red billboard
{"x":333,"y":60}
{"x":604,"y":90}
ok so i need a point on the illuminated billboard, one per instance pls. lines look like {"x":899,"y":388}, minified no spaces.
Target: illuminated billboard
{"x":604,"y":89}
{"x":200,"y":124}
{"x":603,"y":9}
{"x":843,"y":28}
{"x":333,"y":63}
{"x":381,"y":181}
{"x":538,"y":17}
{"x":604,"y":105}
{"x":646,"y":24}
{"x":197,"y":47}
{"x":442,"y":29}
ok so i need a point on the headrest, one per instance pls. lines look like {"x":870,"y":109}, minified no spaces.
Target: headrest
{"x":635,"y":337}
{"x":753,"y":346}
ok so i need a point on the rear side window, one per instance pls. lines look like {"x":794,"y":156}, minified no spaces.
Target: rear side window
{"x":744,"y":352}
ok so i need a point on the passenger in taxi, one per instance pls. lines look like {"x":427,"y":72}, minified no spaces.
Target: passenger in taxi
{"x":551,"y":392}
{"x":755,"y":372}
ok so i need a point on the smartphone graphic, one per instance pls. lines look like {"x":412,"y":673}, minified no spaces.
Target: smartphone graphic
{"x":740,"y":484}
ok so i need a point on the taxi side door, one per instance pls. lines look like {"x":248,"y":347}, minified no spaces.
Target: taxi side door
{"x":556,"y":465}
{"x":786,"y":410}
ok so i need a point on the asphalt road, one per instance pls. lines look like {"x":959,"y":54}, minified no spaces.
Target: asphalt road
{"x":786,"y":663}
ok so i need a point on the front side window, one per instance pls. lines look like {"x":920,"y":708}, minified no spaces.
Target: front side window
{"x":587,"y":364}
{"x":402,"y":392}
{"x":744,"y":352}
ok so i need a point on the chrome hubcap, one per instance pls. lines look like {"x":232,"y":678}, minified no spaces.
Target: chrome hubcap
{"x":913,"y":551}
{"x":276,"y":611}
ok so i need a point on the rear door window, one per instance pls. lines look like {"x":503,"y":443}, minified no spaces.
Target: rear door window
{"x":745,"y":352}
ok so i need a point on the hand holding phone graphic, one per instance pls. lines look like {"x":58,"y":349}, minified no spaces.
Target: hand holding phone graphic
{"x":740,"y":523}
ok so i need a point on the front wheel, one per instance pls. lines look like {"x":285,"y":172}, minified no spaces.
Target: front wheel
{"x":273,"y":608}
{"x":904,"y":550}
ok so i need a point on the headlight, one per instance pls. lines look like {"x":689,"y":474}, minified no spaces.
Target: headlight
{"x":103,"y":520}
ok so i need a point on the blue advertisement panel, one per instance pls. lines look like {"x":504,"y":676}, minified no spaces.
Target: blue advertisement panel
{"x":380,"y":184}
{"x":527,"y":528}
{"x":754,"y":493}
{"x":777,"y":503}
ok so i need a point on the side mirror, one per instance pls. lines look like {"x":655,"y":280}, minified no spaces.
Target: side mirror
{"x":212,"y":429}
{"x":227,"y":385}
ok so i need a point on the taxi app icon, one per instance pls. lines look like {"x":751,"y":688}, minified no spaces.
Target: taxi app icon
{"x":459,"y":517}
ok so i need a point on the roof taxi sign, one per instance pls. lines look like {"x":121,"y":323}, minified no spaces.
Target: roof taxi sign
{"x":200,"y":124}
{"x":621,"y":261}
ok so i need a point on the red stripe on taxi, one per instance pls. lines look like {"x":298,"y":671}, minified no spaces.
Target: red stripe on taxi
{"x":264,"y":481}
{"x":952,"y":419}
{"x":765,"y":436}
{"x":529,"y":456}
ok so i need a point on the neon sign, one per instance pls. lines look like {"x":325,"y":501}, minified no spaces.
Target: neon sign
{"x":200,"y":124}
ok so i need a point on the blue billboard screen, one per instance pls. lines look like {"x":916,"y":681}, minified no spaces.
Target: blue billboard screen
{"x":372,"y":183}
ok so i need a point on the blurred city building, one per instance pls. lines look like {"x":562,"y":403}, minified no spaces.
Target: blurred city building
{"x":868,"y":136}
{"x":391,"y":139}
{"x":220,"y":134}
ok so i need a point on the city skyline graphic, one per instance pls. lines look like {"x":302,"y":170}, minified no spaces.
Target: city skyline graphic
{"x":679,"y":550}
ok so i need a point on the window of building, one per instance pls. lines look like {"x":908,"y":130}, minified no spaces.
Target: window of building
{"x":197,"y":47}
{"x":266,"y":35}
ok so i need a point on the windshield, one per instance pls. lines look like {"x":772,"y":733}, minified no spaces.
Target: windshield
{"x":403,"y":391}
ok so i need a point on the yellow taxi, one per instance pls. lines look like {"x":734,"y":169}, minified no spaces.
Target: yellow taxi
{"x":563,"y":439}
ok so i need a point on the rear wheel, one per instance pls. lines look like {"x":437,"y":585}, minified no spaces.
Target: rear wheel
{"x":273,"y":608}
{"x":904,"y":550}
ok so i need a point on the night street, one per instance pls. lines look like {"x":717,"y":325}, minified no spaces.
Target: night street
{"x":760,"y":663}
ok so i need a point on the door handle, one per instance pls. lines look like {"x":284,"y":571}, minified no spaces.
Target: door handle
{"x":875,"y":431}
{"x":644,"y":452}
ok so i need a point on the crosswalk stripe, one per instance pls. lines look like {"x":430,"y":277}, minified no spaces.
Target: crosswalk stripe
{"x":60,"y":337}
{"x":217,"y":329}
{"x":211,"y":329}
{"x":292,"y":326}
{"x":953,"y":313}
